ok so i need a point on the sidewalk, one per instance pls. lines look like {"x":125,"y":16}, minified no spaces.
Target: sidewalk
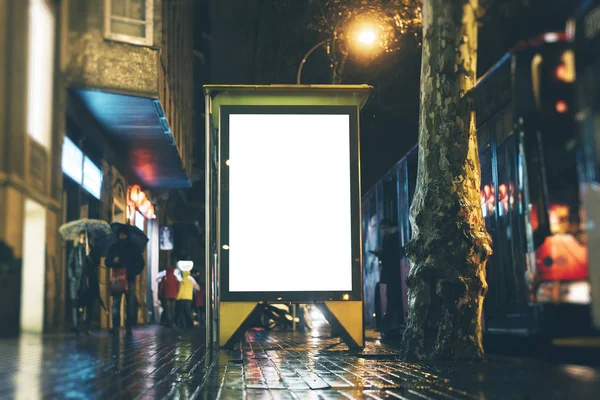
{"x":160,"y":363}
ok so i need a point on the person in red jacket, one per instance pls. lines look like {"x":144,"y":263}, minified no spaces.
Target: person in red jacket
{"x":199,"y":300}
{"x":168,"y":289}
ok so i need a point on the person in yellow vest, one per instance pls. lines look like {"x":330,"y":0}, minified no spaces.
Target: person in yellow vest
{"x":185,"y":296}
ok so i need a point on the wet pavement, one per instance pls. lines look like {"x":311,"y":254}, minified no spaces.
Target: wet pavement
{"x":159,"y":363}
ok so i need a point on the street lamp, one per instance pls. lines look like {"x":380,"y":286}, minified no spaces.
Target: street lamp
{"x":366,"y":36}
{"x":316,"y":46}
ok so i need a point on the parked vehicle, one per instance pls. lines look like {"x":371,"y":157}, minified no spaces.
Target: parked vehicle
{"x":538,"y":275}
{"x":584,"y":30}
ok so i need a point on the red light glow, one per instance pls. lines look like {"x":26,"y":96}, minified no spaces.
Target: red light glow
{"x":561,"y":106}
{"x":562,"y":73}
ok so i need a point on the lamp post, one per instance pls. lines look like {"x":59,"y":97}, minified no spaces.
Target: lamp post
{"x":316,"y":46}
{"x":365,"y":37}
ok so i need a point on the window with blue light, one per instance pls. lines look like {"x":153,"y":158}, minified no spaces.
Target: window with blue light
{"x":72,"y":160}
{"x":92,"y":178}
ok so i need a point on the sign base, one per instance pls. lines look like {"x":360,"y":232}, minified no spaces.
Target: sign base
{"x":234,"y":320}
{"x":345,"y":318}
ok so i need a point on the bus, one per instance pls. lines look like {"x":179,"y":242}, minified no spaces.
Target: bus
{"x":584,"y":31}
{"x":538,"y":275}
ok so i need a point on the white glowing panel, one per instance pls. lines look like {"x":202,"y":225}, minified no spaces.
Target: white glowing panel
{"x":289,"y":203}
{"x":185,"y":265}
{"x":72,"y":160}
{"x":40,"y":72}
{"x":139,"y":221}
{"x":92,"y":178}
{"x":34,"y":266}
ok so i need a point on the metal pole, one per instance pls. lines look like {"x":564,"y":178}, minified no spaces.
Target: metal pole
{"x":299,"y":75}
{"x":207,"y":233}
{"x":294,"y":316}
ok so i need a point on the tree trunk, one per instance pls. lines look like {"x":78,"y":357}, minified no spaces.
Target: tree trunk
{"x":450,"y":245}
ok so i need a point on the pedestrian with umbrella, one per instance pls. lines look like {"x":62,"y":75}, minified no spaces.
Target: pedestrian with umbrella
{"x":124,"y":257}
{"x":82,"y":269}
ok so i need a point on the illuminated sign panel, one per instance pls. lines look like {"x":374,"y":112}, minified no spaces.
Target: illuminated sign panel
{"x":72,"y":160}
{"x":291,"y":177}
{"x":139,"y":221}
{"x":92,"y":178}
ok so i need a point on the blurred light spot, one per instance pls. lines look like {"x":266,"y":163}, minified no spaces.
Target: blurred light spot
{"x":367,"y":37}
{"x":561,"y":106}
{"x":551,"y":37}
{"x":583,"y":373}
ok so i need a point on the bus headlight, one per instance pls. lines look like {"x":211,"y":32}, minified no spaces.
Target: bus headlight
{"x":577,"y":292}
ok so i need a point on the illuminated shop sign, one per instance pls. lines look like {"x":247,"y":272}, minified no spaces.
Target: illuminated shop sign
{"x":137,"y":200}
{"x":166,"y":238}
{"x":139,"y":221}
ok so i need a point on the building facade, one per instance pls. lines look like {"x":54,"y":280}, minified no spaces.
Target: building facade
{"x":95,"y":99}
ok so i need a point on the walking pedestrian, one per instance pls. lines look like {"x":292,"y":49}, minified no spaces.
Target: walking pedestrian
{"x":90,"y":288}
{"x":124,"y":257}
{"x":168,"y":290}
{"x":84,"y":287}
{"x":185,"y":297}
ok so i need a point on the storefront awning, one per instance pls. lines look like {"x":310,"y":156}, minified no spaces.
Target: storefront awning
{"x":138,"y":126}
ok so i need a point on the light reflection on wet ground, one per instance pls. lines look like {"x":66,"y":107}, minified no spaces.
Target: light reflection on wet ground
{"x":159,"y":363}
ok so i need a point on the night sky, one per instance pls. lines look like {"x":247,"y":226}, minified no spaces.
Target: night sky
{"x":263,"y":41}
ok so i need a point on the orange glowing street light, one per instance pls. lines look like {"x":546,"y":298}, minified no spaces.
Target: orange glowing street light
{"x":366,"y":36}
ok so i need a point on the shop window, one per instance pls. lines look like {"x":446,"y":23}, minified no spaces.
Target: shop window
{"x":129,"y":21}
{"x":40,"y":78}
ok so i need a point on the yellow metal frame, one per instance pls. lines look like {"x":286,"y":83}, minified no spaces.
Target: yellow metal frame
{"x":232,"y":319}
{"x":349,"y":316}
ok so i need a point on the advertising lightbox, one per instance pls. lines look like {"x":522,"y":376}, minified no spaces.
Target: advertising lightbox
{"x":290,"y":203}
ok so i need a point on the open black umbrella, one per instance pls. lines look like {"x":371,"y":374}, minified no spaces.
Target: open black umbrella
{"x":134,"y":235}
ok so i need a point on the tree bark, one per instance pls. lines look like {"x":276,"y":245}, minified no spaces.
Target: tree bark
{"x":450,"y":245}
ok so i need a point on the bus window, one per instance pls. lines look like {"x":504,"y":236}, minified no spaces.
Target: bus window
{"x":403,"y":208}
{"x":559,"y":146}
{"x":487,"y":191}
{"x":508,"y":245}
{"x":562,"y":255}
{"x":390,"y":195}
{"x":411,"y":165}
{"x":488,"y":201}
